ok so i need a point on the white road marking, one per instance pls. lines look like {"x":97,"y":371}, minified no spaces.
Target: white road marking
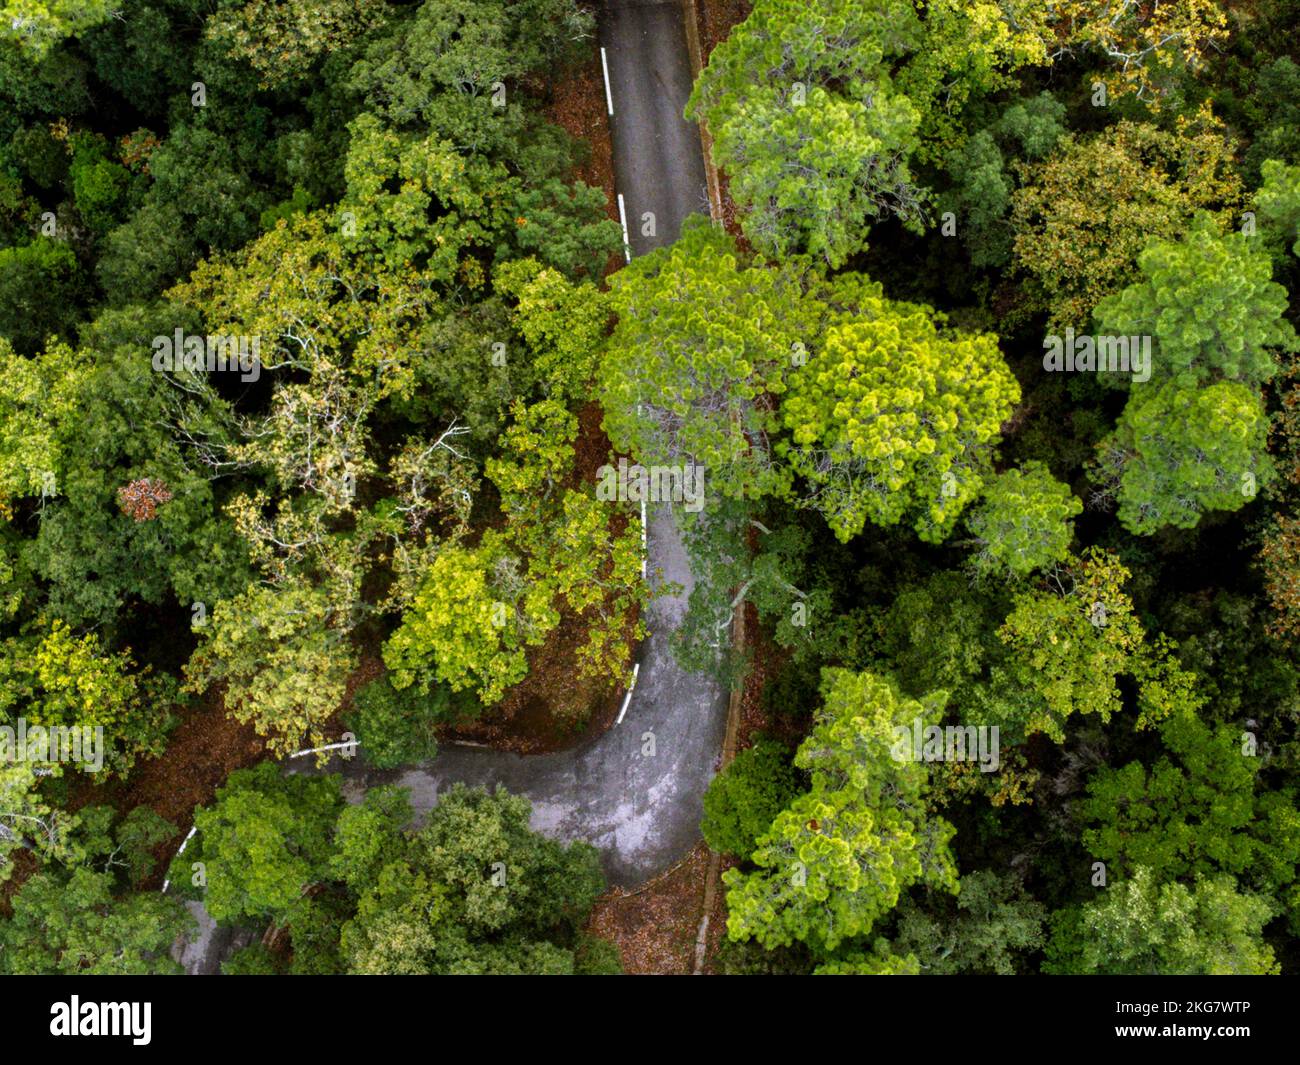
{"x":609,"y":98}
{"x":167,"y":883}
{"x":330,"y":747}
{"x":622,"y":217}
{"x":628,"y":697}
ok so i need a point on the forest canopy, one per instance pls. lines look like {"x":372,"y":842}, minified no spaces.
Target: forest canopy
{"x":321,"y":342}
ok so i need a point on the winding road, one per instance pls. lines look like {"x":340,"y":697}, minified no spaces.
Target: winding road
{"x":636,"y":791}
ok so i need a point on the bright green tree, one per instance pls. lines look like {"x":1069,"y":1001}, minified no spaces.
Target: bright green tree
{"x":562,"y":323}
{"x":838,"y":857}
{"x":537,"y":456}
{"x":814,"y":172}
{"x":37,"y":395}
{"x":40,"y":24}
{"x":816,"y":109}
{"x":1211,"y":306}
{"x":57,"y":676}
{"x":1277,"y":207}
{"x":805,"y":120}
{"x":894,"y":418}
{"x":1023,"y":521}
{"x":575,"y":559}
{"x":577,"y":562}
{"x":1178,"y":452}
{"x":468,"y":625}
{"x":477,"y":609}
{"x":968,"y":49}
{"x":283,"y":658}
{"x":100,"y":185}
{"x":1071,"y":645}
{"x":702,"y":340}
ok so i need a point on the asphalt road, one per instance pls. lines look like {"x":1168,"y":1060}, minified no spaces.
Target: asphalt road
{"x":641,"y":809}
{"x":636,"y":791}
{"x":658,"y":159}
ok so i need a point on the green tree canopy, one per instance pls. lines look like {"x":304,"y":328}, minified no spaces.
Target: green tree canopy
{"x":894,"y":418}
{"x":1210,"y":304}
{"x":1023,"y":521}
{"x":839,"y":856}
{"x":743,"y":800}
{"x":265,"y":839}
{"x":991,"y":926}
{"x":1178,"y":452}
{"x":702,"y":340}
{"x":75,"y":925}
{"x":1197,"y":809}
{"x":474,"y":891}
{"x":1141,"y":926}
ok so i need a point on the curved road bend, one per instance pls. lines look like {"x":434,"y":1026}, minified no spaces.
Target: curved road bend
{"x":642,"y":811}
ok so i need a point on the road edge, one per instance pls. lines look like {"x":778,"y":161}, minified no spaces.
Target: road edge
{"x":691,"y":16}
{"x":713,"y":875}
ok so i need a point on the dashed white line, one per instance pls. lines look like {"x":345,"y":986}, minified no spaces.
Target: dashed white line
{"x":622,"y":217}
{"x":630,"y":689}
{"x":184,"y":843}
{"x":331,"y":747}
{"x":609,"y":98}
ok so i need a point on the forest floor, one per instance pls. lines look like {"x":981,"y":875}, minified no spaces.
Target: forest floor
{"x":202,"y":751}
{"x":554,"y":707}
{"x":654,"y":925}
{"x":577,"y":105}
